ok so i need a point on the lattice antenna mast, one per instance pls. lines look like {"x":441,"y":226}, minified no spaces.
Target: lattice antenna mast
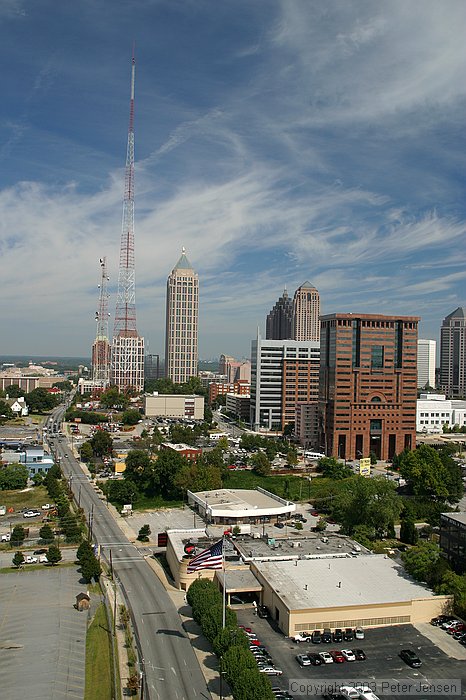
{"x":101,"y":350}
{"x":125,"y":316}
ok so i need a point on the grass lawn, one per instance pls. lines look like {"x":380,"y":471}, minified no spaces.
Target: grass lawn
{"x":99,"y":658}
{"x":31,"y":498}
{"x":145,"y":503}
{"x":295,"y":488}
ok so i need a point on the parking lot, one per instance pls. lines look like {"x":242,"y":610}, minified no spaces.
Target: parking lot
{"x":42,"y":637}
{"x":381,"y":646}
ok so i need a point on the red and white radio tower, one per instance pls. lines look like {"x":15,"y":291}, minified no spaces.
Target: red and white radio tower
{"x":127,"y":346}
{"x":101,"y":346}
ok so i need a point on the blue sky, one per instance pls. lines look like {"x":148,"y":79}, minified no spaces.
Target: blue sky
{"x":278,"y":141}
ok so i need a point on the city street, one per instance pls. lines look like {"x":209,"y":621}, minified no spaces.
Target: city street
{"x":168,"y":663}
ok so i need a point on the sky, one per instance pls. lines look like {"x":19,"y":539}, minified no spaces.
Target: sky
{"x":279,"y":141}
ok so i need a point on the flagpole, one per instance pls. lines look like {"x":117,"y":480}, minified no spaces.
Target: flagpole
{"x":224,"y":585}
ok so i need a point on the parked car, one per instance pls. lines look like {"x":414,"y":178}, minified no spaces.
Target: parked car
{"x":326,"y":657}
{"x":348,"y":634}
{"x":46,"y":506}
{"x":43,"y":559}
{"x":437,"y":621}
{"x":303,"y":660}
{"x":279,"y":525}
{"x":337,"y":656}
{"x":348,"y":654}
{"x":366,"y":693}
{"x":40,"y":551}
{"x":5,"y":537}
{"x":359,"y":633}
{"x":338,"y":635}
{"x":302,"y":637}
{"x":349,"y":691}
{"x":410,"y":658}
{"x":315,"y":659}
{"x":271,"y":671}
{"x":327,"y":636}
{"x":30,"y":560}
{"x":316,"y":637}
{"x":262,"y":611}
{"x":359,"y":655}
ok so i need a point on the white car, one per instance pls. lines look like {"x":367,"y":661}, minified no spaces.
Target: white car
{"x":303,"y":660}
{"x":46,"y":506}
{"x":359,"y":633}
{"x":326,"y":657}
{"x":31,"y":514}
{"x":350,"y":692}
{"x":30,"y":560}
{"x":348,"y":654}
{"x":366,"y":693}
{"x":5,"y":537}
{"x":271,"y":671}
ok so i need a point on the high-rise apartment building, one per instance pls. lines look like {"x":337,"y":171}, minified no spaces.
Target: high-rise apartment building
{"x":181,"y":348}
{"x":284,"y":373}
{"x":453,"y":354}
{"x":279,"y":323}
{"x":426,"y":350}
{"x":306,"y":312}
{"x":368,"y":385}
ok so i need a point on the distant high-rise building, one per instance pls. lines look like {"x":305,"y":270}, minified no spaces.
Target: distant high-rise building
{"x":279,"y":323}
{"x":234,"y":370}
{"x":453,"y":354}
{"x":152,"y":367}
{"x":368,"y":385}
{"x":306,"y":312}
{"x":426,"y":350}
{"x":284,"y":373}
{"x":181,"y":347}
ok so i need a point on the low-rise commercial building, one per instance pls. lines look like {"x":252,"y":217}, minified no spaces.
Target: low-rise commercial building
{"x":433,"y":411}
{"x":234,"y":506}
{"x":187,"y":451}
{"x":239,"y":406}
{"x":174,"y":406}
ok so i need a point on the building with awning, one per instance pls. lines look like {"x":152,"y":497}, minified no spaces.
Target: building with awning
{"x":235,"y":506}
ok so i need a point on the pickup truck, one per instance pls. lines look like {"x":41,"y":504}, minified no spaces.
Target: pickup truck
{"x":5,"y":537}
{"x":30,"y":560}
{"x":301,"y":637}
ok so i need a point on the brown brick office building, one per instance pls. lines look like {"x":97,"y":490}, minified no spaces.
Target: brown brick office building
{"x":368,"y":384}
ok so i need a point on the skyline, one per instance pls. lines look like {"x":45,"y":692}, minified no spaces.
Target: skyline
{"x":279,"y":143}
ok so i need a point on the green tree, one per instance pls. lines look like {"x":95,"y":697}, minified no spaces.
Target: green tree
{"x":86,"y":451}
{"x":321,"y":525}
{"x":425,"y":473}
{"x":421,"y":561}
{"x":84,"y":551}
{"x":144,"y":533}
{"x":130,"y":417}
{"x":226,"y":638}
{"x":112,"y":398}
{"x":408,"y":531}
{"x":102,"y":443}
{"x":63,"y":386}
{"x":261,"y":464}
{"x":18,"y":560}
{"x":365,"y":535}
{"x":292,"y":456}
{"x":122,"y":492}
{"x":331,"y":468}
{"x":198,"y":476}
{"x":91,"y":569}
{"x":373,"y":458}
{"x":14,"y":391}
{"x":40,"y":400}
{"x":454,"y":584}
{"x":17,"y":536}
{"x":14,"y":476}
{"x":140,"y":470}
{"x":5,"y":411}
{"x":46,"y":534}
{"x":54,"y":554}
{"x":38,"y":479}
{"x":373,"y":502}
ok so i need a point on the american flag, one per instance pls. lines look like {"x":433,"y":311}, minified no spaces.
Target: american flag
{"x":211,"y":558}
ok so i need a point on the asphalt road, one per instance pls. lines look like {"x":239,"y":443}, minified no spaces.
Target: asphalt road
{"x":170,"y":668}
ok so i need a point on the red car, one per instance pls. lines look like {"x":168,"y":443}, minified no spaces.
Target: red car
{"x":315,"y":513}
{"x":248,"y":630}
{"x":337,"y":656}
{"x":255,"y":643}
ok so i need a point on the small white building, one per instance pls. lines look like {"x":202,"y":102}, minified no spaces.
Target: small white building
{"x":18,"y":406}
{"x":234,"y":506}
{"x":433,"y":411}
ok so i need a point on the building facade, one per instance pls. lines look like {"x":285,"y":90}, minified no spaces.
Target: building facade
{"x":433,"y":411}
{"x":306,"y":313}
{"x":174,"y":406}
{"x":284,"y":373}
{"x":224,"y":388}
{"x":368,"y":385}
{"x":279,"y":322}
{"x":181,"y":336}
{"x":127,"y":370}
{"x":453,"y":354}
{"x":426,"y":350}
{"x":238,"y":405}
{"x":307,"y":424}
{"x":453,"y":540}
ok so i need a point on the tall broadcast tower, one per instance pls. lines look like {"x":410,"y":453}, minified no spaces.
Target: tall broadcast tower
{"x":101,"y":346}
{"x":127,"y":345}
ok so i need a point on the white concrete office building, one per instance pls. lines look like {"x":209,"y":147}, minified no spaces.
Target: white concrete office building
{"x":426,"y":350}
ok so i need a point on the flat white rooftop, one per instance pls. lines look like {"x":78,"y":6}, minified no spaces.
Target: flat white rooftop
{"x":334,"y":583}
{"x":241,"y":499}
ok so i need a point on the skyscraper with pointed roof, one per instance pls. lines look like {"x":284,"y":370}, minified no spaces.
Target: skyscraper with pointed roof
{"x":306,"y":313}
{"x":453,"y":353}
{"x":279,"y":321}
{"x":181,"y":347}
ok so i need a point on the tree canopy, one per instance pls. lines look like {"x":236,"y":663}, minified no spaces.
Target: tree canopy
{"x":40,"y":400}
{"x":372,"y":502}
{"x":13,"y":476}
{"x":430,"y":474}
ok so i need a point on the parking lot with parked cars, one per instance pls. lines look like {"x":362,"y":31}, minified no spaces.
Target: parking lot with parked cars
{"x":399,"y":653}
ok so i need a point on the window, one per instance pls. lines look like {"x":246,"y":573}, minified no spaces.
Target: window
{"x":377,"y":356}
